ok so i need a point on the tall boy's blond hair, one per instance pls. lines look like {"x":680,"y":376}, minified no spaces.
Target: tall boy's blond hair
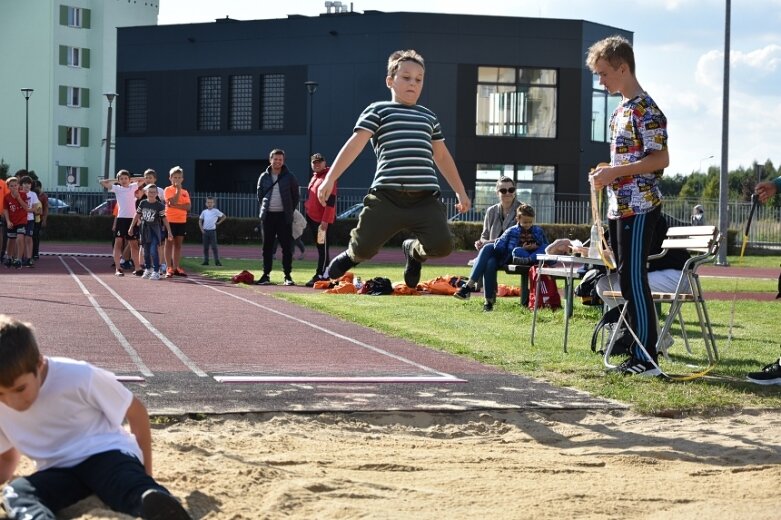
{"x":613,"y":49}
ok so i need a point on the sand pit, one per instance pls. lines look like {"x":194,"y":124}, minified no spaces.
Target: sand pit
{"x":515,"y":464}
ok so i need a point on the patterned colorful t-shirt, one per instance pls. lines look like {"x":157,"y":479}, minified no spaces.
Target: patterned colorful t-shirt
{"x":401,"y":137}
{"x":637,"y":127}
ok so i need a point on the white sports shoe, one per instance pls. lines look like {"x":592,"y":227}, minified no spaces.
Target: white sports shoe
{"x":147,"y":273}
{"x":154,"y":276}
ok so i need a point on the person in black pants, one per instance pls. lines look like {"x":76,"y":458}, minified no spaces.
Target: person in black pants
{"x":278,"y":197}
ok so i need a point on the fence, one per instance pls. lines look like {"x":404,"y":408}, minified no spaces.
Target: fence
{"x":765,"y":229}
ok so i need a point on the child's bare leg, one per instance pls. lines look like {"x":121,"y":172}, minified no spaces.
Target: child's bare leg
{"x":177,"y":251}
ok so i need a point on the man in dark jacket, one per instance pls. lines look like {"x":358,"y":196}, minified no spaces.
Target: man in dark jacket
{"x":278,"y":197}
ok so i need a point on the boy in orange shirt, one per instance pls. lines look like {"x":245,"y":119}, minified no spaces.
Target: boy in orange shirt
{"x":177,"y":204}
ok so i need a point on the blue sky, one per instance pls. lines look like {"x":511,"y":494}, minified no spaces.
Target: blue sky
{"x":679,"y":48}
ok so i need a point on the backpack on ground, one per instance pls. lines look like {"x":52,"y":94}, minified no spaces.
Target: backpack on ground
{"x":549,"y":293}
{"x":605,"y":326}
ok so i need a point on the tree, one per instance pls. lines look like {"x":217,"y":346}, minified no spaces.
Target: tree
{"x":3,"y":169}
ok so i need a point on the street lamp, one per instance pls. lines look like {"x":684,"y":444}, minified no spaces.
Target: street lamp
{"x":27,"y":92}
{"x":699,"y":170}
{"x":110,"y":96}
{"x":311,"y":87}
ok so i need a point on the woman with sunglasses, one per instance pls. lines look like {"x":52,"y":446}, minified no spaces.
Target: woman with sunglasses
{"x":501,"y":216}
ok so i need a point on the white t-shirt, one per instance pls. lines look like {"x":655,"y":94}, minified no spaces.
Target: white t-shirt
{"x":210,"y":218}
{"x":32,"y":200}
{"x":78,"y":413}
{"x":126,"y":199}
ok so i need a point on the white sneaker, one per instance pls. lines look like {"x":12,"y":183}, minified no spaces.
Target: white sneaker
{"x":154,"y":276}
{"x":147,"y":274}
{"x":162,"y":268}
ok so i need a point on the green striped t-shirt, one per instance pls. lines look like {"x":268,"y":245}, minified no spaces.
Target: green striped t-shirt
{"x":401,"y":137}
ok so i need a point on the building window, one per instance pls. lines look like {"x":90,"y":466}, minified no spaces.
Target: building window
{"x":73,"y":136}
{"x":602,"y":107}
{"x":74,"y":57}
{"x":72,"y":176}
{"x":535,"y":185}
{"x":135,"y":106}
{"x":209,"y":100}
{"x":74,"y":17}
{"x":240,"y":102}
{"x":74,"y":97}
{"x":272,"y":102}
{"x":516,"y":102}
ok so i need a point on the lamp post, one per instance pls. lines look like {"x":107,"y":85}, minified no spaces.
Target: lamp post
{"x":724,"y":174}
{"x":27,"y":92}
{"x":110,"y":96}
{"x":699,"y":169}
{"x":311,"y":87}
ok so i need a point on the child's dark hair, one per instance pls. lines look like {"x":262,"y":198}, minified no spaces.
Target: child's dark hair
{"x":524,"y":210}
{"x":120,"y":173}
{"x":19,"y":352}
{"x":150,"y":171}
{"x":395,"y":59}
{"x":26,"y":180}
{"x":615,"y":50}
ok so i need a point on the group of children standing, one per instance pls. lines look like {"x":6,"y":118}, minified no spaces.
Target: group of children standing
{"x":20,"y":208}
{"x":154,"y":226}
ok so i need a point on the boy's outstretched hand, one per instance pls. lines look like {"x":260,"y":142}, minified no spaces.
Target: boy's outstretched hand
{"x":463,"y":203}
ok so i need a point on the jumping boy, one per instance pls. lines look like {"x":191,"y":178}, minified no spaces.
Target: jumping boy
{"x":407,"y":140}
{"x":125,"y":192}
{"x":638,"y":156}
{"x":15,"y":216}
{"x":67,"y":416}
{"x":177,"y":203}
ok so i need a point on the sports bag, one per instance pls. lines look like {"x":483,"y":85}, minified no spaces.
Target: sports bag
{"x":549,"y":293}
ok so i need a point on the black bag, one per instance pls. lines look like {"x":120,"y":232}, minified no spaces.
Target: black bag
{"x":377,"y":286}
{"x":623,"y":344}
{"x":587,"y":289}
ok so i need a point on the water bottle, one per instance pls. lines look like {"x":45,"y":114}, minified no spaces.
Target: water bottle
{"x":593,"y":245}
{"x":358,"y":283}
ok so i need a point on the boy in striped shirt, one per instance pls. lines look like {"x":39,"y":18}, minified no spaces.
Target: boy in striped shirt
{"x":404,"y":195}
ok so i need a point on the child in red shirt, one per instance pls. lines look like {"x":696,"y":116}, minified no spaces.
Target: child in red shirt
{"x":15,"y":216}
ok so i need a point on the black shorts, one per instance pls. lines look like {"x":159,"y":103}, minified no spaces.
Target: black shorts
{"x":14,"y":231}
{"x":123,"y":225}
{"x":179,"y":230}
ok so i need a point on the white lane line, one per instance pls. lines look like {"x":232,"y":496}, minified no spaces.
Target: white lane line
{"x":167,"y":342}
{"x":337,"y":379}
{"x":442,"y":375}
{"x":113,"y":328}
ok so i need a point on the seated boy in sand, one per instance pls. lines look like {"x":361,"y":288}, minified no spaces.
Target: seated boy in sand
{"x":67,"y":416}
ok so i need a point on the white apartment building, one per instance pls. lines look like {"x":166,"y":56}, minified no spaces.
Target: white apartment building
{"x":66,"y":51}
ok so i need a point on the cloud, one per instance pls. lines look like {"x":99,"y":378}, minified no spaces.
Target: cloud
{"x":757,"y":72}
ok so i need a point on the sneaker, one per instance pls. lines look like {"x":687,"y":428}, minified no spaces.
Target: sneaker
{"x":636,"y":367}
{"x":412,"y":268}
{"x":218,"y":263}
{"x":289,"y":281}
{"x":139,"y":272}
{"x":123,"y":264}
{"x":463,"y":293}
{"x":159,"y":505}
{"x":169,"y":273}
{"x":130,"y":264}
{"x":28,"y":263}
{"x":769,"y":375}
{"x":163,"y":267}
{"x":154,"y":276}
{"x":179,"y":272}
{"x":488,"y":306}
{"x":264,"y":280}
{"x":18,"y":264}
{"x":8,"y":262}
{"x":205,"y":262}
{"x":119,"y":272}
{"x":339,"y":265}
{"x":147,"y":274}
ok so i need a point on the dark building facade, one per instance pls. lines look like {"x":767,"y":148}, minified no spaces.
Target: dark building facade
{"x":512,"y":94}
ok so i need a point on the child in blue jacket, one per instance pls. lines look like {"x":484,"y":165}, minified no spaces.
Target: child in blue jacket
{"x":524,"y":241}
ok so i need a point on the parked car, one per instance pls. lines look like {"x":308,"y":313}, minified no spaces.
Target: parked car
{"x":105,"y":208}
{"x":58,"y":206}
{"x":351,"y":212}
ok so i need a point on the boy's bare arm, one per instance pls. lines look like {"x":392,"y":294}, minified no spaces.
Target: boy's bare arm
{"x":107,"y":183}
{"x":138,"y":419}
{"x":655,"y":160}
{"x":135,"y":221}
{"x":167,"y":227}
{"x":447,"y":166}
{"x":8,"y":462}
{"x":349,"y":152}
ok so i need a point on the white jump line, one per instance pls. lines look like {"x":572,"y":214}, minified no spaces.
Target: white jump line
{"x":336,"y":379}
{"x":113,"y":328}
{"x":442,"y":375}
{"x":167,"y":342}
